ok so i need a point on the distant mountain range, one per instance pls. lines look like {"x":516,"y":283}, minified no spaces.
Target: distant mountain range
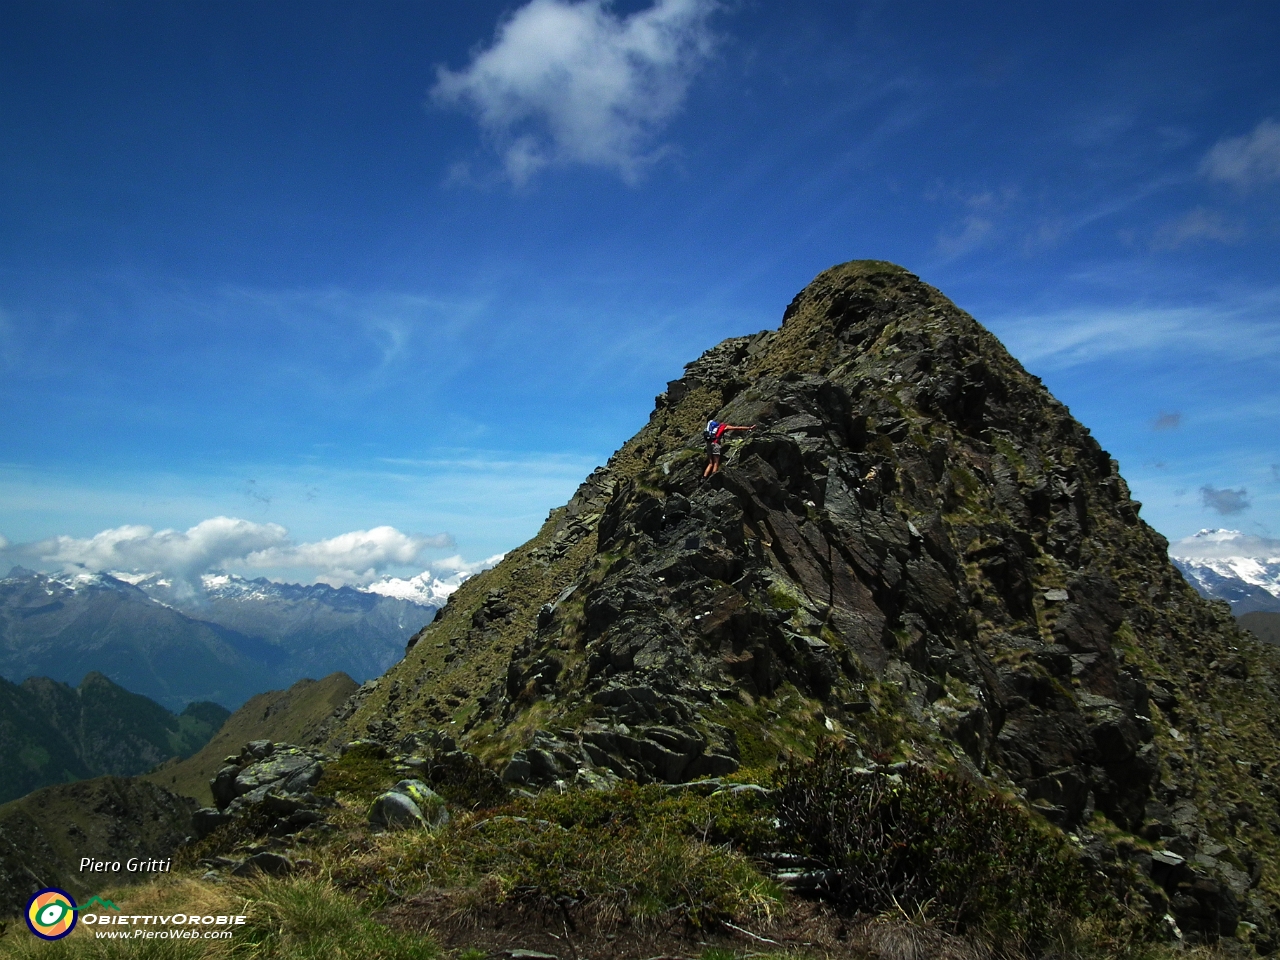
{"x":52,"y":733}
{"x":314,"y":630}
{"x":1229,"y":565}
{"x":224,"y":644}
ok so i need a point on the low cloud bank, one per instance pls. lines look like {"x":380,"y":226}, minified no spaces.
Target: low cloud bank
{"x":1224,"y":544}
{"x":231,"y":545}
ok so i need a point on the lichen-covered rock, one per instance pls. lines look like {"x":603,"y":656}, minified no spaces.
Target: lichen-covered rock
{"x":265,"y":768}
{"x":288,"y":770}
{"x":409,"y":804}
{"x":395,"y":811}
{"x":430,"y":803}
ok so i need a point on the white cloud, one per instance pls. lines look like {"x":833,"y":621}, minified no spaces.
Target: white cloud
{"x":230,"y":544}
{"x":355,"y":557}
{"x":1247,"y":161}
{"x":972,"y":235}
{"x":181,"y":554}
{"x":571,"y":82}
{"x":1223,"y":544}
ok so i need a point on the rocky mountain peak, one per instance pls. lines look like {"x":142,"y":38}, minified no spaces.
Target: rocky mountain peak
{"x":918,"y":549}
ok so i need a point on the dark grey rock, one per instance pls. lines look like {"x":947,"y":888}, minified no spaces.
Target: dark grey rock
{"x":206,"y":820}
{"x":272,"y":864}
{"x":223,"y":786}
{"x":518,"y":770}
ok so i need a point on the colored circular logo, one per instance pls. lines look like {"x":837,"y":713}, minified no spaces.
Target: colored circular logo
{"x":51,"y":914}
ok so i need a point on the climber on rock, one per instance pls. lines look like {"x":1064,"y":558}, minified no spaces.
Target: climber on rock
{"x":714,"y":436}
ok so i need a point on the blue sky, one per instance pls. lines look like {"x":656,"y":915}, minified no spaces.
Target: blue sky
{"x":404,"y":272}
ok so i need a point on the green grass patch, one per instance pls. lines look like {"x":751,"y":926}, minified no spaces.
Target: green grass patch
{"x":637,"y":852}
{"x":310,"y":919}
{"x":20,"y":945}
{"x":360,"y":774}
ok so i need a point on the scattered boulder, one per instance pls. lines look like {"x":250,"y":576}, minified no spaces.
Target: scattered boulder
{"x":287,"y":770}
{"x":208,"y":819}
{"x":409,"y":804}
{"x":395,"y":811}
{"x":272,"y":864}
{"x":274,"y":781}
{"x":265,"y":768}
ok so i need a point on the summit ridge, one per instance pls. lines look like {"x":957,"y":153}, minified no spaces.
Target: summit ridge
{"x":919,"y":551}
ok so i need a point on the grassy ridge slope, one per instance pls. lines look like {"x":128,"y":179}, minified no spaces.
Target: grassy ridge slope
{"x":291,"y":716}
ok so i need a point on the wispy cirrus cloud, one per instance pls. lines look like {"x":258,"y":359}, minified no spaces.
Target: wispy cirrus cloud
{"x":1243,"y":327}
{"x":1247,"y":161}
{"x":574,"y":83}
{"x":973,"y":233}
{"x":329,"y":339}
{"x":1197,"y":225}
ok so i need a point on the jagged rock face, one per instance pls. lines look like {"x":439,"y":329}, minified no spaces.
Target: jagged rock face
{"x":908,"y":501}
{"x":918,"y":544}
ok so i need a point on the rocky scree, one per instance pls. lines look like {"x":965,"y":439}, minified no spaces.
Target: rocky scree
{"x":919,"y":550}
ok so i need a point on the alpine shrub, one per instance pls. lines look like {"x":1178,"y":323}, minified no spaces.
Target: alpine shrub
{"x":922,"y":840}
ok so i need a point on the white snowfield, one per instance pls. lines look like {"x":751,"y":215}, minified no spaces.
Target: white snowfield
{"x":430,"y":587}
{"x":1231,"y":555}
{"x":424,"y":588}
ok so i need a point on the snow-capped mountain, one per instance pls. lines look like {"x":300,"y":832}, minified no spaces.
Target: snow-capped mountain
{"x":315,"y":628}
{"x":225,"y":641}
{"x":425,"y":588}
{"x":65,"y":627}
{"x":1240,"y":568}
